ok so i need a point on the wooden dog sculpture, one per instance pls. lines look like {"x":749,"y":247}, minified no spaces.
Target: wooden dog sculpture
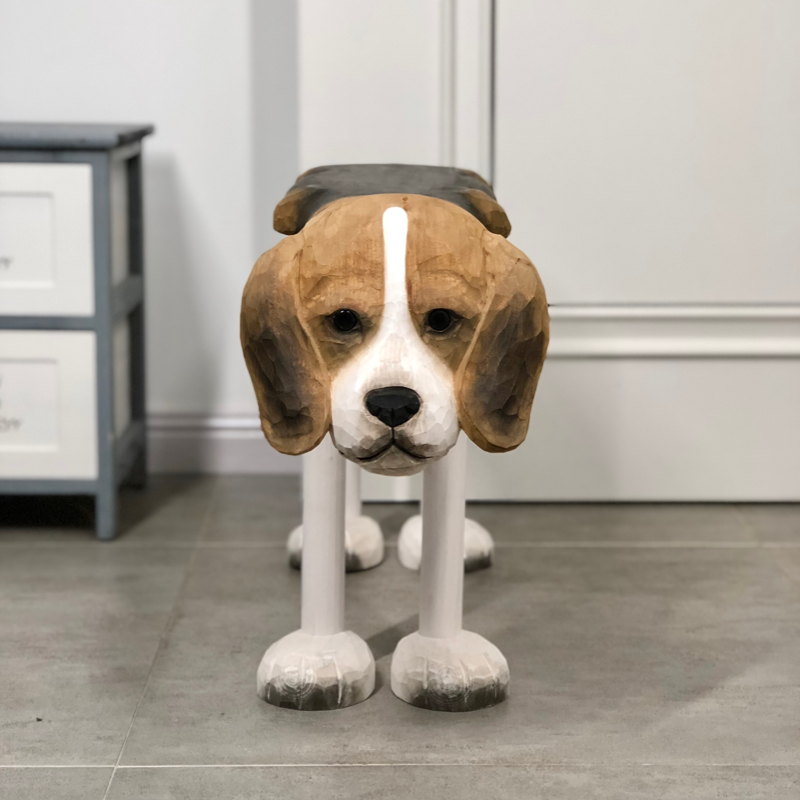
{"x":392,"y":316}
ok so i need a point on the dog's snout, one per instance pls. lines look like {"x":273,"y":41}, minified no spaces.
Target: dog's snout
{"x":392,"y":405}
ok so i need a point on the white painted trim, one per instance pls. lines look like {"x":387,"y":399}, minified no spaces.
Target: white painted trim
{"x":676,"y":312}
{"x":172,"y":424}
{"x":472,"y":86}
{"x":465,"y":85}
{"x":235,"y":443}
{"x":195,"y":443}
{"x":675,"y":331}
{"x":674,"y":347}
{"x":447,"y":82}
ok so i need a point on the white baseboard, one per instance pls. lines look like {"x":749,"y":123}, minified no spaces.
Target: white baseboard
{"x":648,"y":423}
{"x":213,"y":445}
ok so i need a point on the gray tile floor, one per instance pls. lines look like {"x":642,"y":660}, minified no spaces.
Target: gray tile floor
{"x":654,"y":653}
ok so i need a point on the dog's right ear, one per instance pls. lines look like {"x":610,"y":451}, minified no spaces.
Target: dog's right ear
{"x":289,"y":377}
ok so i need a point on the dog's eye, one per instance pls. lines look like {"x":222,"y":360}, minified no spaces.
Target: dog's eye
{"x":440,"y":319}
{"x":345,"y":320}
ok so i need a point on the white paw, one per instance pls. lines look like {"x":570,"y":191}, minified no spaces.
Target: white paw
{"x":478,"y":545}
{"x":463,"y":673}
{"x":316,"y":673}
{"x":363,"y":544}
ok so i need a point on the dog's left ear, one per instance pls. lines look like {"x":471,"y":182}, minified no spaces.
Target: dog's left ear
{"x":488,"y":211}
{"x":496,"y":381}
{"x":295,"y":209}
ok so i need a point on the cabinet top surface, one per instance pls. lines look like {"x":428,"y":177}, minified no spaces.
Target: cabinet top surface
{"x":68,"y":135}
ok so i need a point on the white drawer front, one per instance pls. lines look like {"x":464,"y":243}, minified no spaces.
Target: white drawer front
{"x":46,"y":250}
{"x":48,"y":408}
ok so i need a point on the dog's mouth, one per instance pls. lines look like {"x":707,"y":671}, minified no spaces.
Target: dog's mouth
{"x":395,"y":457}
{"x":393,"y":443}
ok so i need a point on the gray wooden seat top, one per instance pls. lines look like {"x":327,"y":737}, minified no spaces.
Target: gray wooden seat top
{"x":320,"y":186}
{"x":68,"y":135}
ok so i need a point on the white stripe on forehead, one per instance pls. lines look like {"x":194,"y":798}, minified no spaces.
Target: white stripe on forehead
{"x":396,"y":356}
{"x":395,"y":235}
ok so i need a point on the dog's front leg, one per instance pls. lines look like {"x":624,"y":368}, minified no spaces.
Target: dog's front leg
{"x":322,"y":665}
{"x":444,"y":667}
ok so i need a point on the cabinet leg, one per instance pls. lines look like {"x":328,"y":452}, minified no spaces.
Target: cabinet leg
{"x":105,"y":513}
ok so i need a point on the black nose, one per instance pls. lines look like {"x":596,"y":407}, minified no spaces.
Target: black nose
{"x":392,"y":405}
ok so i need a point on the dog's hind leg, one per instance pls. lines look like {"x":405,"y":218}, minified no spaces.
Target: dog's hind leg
{"x":363,"y":538}
{"x":478,"y":544}
{"x":322,"y":665}
{"x":444,"y":667}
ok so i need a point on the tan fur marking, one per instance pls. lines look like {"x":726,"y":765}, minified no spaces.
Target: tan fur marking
{"x":497,"y":349}
{"x":341,"y":266}
{"x":291,"y":381}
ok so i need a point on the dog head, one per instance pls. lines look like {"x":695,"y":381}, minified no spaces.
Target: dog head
{"x":394,"y":320}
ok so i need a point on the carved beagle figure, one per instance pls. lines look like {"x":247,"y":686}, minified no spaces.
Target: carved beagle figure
{"x":393,"y":315}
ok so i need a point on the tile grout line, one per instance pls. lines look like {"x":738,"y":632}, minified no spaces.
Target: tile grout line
{"x":165,"y":633}
{"x":577,"y":544}
{"x":621,"y":544}
{"x":374,"y":764}
{"x":508,"y":764}
{"x":768,"y":545}
{"x":788,"y":573}
{"x":56,"y":766}
{"x":748,"y":524}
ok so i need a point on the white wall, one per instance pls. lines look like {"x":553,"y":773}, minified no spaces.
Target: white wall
{"x":218,"y":80}
{"x":369,"y":82}
{"x":647,"y":156}
{"x":645,"y":152}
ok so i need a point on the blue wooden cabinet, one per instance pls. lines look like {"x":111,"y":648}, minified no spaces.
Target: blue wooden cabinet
{"x":72,"y":355}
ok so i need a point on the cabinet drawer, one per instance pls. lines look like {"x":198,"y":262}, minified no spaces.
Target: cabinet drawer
{"x":48,"y":406}
{"x":46,"y":248}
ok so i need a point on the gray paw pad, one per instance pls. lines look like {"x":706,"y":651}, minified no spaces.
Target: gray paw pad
{"x":463,"y":699}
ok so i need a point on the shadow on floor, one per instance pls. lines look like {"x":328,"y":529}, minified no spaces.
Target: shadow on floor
{"x":46,"y":511}
{"x":76,"y":512}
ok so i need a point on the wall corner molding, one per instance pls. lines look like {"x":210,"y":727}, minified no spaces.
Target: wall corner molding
{"x":213,"y":444}
{"x":675,"y":331}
